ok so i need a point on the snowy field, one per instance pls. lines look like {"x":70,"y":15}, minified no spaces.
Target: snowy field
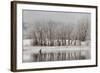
{"x":55,"y":53}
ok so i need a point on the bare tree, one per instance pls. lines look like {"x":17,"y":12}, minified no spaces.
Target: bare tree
{"x":69,"y":30}
{"x":46,"y":33}
{"x":83,"y":29}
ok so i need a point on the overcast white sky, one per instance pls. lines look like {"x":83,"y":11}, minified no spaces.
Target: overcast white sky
{"x":30,"y":16}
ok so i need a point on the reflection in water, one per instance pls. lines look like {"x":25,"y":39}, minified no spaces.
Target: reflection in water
{"x":58,"y":56}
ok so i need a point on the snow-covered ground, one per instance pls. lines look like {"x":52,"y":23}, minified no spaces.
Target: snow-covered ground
{"x":27,"y":42}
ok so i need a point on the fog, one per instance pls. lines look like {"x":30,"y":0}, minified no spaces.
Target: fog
{"x":30,"y":16}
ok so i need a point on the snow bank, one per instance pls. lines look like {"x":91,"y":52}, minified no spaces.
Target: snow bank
{"x":27,"y":42}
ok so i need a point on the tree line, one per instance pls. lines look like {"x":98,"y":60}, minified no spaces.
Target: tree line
{"x":56,"y":33}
